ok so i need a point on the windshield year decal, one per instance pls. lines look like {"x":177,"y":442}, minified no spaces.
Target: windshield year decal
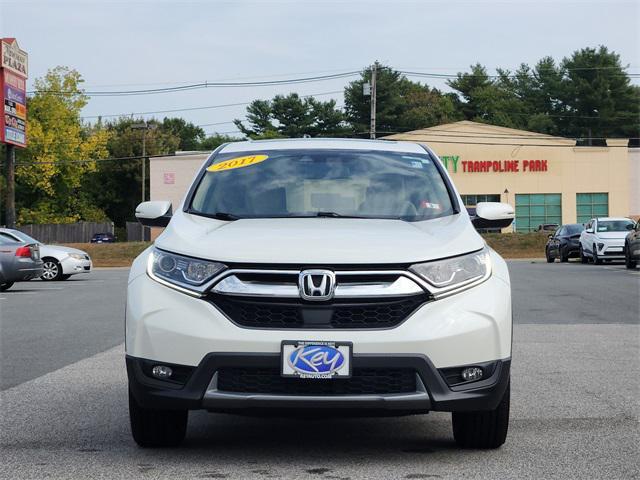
{"x":237,"y":162}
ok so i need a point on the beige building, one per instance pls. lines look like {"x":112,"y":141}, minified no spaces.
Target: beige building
{"x":171,"y":177}
{"x":547,"y":179}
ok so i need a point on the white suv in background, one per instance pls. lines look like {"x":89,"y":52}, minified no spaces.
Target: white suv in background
{"x":319,"y":275}
{"x":59,"y":262}
{"x":603,"y":239}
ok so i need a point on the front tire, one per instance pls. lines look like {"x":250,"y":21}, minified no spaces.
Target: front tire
{"x":6,"y":286}
{"x":157,"y":428}
{"x":65,"y":277}
{"x":564,"y":254}
{"x":597,"y":260}
{"x":630,"y":264}
{"x":583,"y":257}
{"x":52,"y":270}
{"x":550,"y":259}
{"x":482,"y":429}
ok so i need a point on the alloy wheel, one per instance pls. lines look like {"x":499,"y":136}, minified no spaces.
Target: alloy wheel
{"x":50,"y":270}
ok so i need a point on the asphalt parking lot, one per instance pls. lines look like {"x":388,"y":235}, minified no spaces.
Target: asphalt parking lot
{"x":575,"y":395}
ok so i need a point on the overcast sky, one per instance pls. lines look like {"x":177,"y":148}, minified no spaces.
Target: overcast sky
{"x":148,"y":44}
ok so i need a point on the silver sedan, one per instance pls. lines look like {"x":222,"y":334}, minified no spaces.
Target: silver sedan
{"x":19,"y":262}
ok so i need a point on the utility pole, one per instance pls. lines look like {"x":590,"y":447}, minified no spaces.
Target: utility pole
{"x":144,"y":127}
{"x":372,"y":128}
{"x":10,"y":164}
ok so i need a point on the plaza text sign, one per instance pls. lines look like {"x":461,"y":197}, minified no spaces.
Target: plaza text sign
{"x":453,"y":164}
{"x":13,"y":93}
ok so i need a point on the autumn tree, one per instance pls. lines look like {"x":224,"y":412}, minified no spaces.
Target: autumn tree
{"x":60,"y":152}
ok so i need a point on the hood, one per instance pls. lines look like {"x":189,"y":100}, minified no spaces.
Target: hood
{"x":326,"y":241}
{"x":59,"y":249}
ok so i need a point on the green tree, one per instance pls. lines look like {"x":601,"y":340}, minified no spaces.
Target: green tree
{"x":292,"y":116}
{"x":401,"y":104}
{"x":586,"y":95}
{"x":60,"y":152}
{"x":188,"y":134}
{"x":212,"y":142}
{"x":597,"y":96}
{"x":115,"y":186}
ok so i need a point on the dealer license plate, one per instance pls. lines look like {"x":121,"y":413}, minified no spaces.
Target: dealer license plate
{"x":316,"y":359}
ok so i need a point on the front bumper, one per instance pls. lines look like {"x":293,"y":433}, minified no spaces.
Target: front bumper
{"x":469,"y":327}
{"x":613,"y":249}
{"x":73,"y":266}
{"x":432,"y":391}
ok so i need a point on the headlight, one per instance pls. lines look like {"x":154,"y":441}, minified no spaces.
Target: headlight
{"x":77,"y":256}
{"x":453,"y":273}
{"x":184,"y":273}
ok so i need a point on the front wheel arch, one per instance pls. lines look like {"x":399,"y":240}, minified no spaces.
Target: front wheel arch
{"x":53,"y":273}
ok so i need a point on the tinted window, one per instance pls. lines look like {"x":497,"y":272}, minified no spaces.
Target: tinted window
{"x":7,"y":238}
{"x":302,"y":183}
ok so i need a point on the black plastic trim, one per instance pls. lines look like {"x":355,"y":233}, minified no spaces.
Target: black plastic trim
{"x":482,"y":395}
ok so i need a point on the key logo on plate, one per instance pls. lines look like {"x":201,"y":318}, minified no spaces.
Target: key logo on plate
{"x":316,"y":359}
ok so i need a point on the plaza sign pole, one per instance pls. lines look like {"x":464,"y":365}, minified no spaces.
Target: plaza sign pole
{"x":13,"y":121}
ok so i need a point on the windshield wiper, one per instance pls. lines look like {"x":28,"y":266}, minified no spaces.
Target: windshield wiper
{"x":334,"y":215}
{"x":230,"y":217}
{"x":327,"y":214}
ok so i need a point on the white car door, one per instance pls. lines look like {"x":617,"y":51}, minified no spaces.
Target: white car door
{"x":586,"y":238}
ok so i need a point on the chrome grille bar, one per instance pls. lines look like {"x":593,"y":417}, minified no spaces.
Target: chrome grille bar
{"x":402,"y":285}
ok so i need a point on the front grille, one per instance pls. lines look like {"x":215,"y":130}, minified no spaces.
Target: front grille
{"x":294,"y":313}
{"x":364,"y":381}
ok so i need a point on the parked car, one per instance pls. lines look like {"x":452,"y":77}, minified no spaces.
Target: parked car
{"x":603,"y":239}
{"x":59,"y":262}
{"x":564,"y":243}
{"x":103,"y":238}
{"x":19,"y":262}
{"x":320,"y":275}
{"x":632,"y":247}
{"x":547,"y":227}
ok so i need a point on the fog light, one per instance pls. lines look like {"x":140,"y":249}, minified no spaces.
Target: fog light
{"x":161,"y":371}
{"x":471,"y":374}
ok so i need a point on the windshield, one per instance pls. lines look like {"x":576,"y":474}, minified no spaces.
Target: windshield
{"x":575,"y":228}
{"x":305,"y":183}
{"x":614,"y":225}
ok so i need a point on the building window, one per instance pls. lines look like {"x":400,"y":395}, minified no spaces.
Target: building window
{"x":473,"y":200}
{"x":591,"y":205}
{"x":537,"y":209}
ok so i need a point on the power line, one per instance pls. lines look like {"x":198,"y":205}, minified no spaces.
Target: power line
{"x":196,"y":86}
{"x":190,"y":109}
{"x":446,"y":76}
{"x":109,"y":159}
{"x":252,"y":77}
{"x":521,"y":144}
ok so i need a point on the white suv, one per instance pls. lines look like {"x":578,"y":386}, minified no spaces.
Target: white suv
{"x":320,"y":275}
{"x":603,"y":239}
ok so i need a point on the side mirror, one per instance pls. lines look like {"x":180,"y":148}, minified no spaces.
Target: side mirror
{"x":630,"y":226}
{"x":589,"y":230}
{"x":550,"y":235}
{"x":493,"y":215}
{"x":154,"y":214}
